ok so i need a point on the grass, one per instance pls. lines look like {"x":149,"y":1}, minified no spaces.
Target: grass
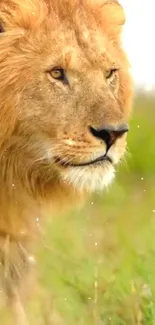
{"x":97,"y":264}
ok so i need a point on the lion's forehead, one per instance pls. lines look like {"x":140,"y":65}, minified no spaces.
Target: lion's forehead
{"x":63,"y":28}
{"x":82,"y":47}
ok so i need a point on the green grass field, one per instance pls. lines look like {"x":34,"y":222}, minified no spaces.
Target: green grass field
{"x":97,"y":264}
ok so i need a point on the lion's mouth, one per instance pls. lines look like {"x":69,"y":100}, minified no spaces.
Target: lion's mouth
{"x":101,"y":159}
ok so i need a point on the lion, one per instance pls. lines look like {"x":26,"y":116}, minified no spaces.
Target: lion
{"x":66,"y":97}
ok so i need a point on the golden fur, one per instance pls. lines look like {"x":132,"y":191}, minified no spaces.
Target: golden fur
{"x":42,"y":118}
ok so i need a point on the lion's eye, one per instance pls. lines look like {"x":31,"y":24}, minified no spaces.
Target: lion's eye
{"x":110,"y":73}
{"x":1,"y":28}
{"x":58,"y":74}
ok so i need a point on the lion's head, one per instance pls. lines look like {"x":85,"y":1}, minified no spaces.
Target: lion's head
{"x":65,"y":91}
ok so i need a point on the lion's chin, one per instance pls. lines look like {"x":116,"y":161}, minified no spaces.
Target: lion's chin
{"x":89,"y":178}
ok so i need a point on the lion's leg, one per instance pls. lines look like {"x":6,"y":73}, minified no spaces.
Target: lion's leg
{"x":15,"y":265}
{"x":18,"y":312}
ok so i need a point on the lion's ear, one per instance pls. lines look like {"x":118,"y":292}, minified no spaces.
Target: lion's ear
{"x":111,"y":15}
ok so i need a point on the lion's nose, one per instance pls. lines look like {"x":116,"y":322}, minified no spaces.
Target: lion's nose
{"x":109,"y":134}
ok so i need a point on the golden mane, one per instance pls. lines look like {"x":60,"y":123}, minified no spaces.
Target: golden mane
{"x":31,"y":14}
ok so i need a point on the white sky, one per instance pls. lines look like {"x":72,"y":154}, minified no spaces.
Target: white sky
{"x":139,"y":39}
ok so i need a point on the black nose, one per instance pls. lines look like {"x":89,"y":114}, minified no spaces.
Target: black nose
{"x":110,"y":133}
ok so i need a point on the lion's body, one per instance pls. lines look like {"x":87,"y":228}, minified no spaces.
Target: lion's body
{"x":44,"y":122}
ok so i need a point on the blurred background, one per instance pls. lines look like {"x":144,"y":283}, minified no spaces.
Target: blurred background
{"x":97,"y":264}
{"x":137,"y":38}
